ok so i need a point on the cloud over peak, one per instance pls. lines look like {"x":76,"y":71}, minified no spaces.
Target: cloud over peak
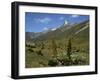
{"x":43,"y":20}
{"x":75,"y":16}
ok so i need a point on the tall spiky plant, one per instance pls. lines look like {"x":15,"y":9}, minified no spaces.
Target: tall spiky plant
{"x":69,"y":49}
{"x":54,"y":48}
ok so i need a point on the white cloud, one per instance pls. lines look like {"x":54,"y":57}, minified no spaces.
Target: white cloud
{"x":61,"y":18}
{"x":74,"y":16}
{"x":53,"y":29}
{"x":45,"y":28}
{"x":44,"y":20}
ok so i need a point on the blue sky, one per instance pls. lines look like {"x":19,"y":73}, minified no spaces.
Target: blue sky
{"x":38,"y":22}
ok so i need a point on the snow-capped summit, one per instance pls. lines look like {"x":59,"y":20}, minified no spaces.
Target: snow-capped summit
{"x":65,"y":22}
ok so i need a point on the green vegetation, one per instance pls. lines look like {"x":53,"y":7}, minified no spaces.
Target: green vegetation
{"x":69,"y":47}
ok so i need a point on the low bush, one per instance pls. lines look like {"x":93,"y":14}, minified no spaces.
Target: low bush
{"x":31,"y":50}
{"x":53,"y":62}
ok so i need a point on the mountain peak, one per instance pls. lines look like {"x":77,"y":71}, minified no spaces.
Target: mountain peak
{"x":65,"y":22}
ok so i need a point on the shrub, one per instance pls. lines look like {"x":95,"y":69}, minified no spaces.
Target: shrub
{"x":53,"y":62}
{"x":79,"y":61}
{"x":39,"y":53}
{"x":65,"y":61}
{"x":31,"y":50}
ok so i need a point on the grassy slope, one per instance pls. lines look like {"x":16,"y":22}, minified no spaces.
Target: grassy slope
{"x":79,"y":42}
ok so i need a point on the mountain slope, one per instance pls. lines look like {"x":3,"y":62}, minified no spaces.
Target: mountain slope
{"x":42,"y":47}
{"x":65,"y":31}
